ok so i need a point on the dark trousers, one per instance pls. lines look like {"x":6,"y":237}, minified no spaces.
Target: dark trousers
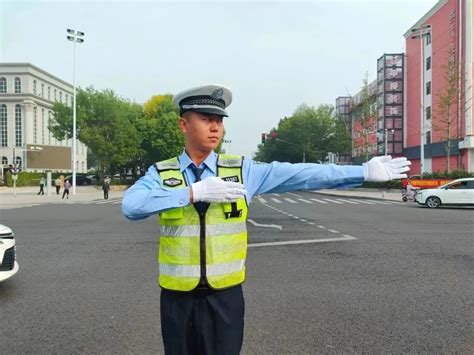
{"x":106,"y":194}
{"x":57,"y":189}
{"x":66,"y":192}
{"x":202,"y":322}
{"x":41,"y":191}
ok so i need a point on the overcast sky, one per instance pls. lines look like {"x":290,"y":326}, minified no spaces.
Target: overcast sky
{"x":274,"y":56}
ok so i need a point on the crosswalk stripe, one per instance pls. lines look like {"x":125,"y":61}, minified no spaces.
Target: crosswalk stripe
{"x":278,"y":195}
{"x":343,"y":200}
{"x":289,"y":200}
{"x":262,"y":200}
{"x":333,"y":201}
{"x":275,"y":200}
{"x":116,"y":202}
{"x":292,"y":193}
{"x":320,"y":201}
{"x":305,"y":201}
{"x":364,"y":201}
{"x":381,"y":202}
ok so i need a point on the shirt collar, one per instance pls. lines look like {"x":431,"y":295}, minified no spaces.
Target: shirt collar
{"x":210,"y":162}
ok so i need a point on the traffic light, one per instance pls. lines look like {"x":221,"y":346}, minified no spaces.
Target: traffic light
{"x":274,"y":135}
{"x":264,"y":136}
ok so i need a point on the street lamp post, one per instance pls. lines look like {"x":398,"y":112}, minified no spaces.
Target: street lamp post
{"x":420,"y":32}
{"x":75,"y":37}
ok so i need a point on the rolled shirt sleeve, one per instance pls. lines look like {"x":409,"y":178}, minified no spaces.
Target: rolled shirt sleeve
{"x":148,"y":196}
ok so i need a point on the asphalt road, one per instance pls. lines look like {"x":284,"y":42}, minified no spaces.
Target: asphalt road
{"x":361,"y":277}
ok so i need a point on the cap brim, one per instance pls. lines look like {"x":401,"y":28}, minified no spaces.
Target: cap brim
{"x":213,"y":111}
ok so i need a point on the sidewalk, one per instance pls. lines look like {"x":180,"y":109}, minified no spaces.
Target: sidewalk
{"x":28,"y":195}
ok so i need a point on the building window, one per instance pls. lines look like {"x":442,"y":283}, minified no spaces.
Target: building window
{"x":49,"y":132}
{"x":428,"y":88}
{"x":4,"y":160}
{"x":428,"y":113}
{"x":61,"y":96}
{"x":42,"y":126}
{"x":3,"y":85}
{"x":18,"y":126}
{"x":428,"y":39}
{"x":49,"y":92}
{"x":3,"y":126}
{"x":428,"y":137}
{"x":35,"y":126}
{"x":66,"y":100}
{"x":17,"y":85}
{"x":34,"y":87}
{"x":42,"y":90}
{"x":428,"y":63}
{"x":18,"y":163}
{"x":55,"y":95}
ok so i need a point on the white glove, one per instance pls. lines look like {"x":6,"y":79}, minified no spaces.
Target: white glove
{"x":214,"y":189}
{"x":385,"y":168}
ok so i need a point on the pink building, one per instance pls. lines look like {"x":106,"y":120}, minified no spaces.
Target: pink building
{"x":438,"y":58}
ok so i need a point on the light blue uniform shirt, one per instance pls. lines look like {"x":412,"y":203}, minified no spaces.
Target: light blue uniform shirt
{"x":148,"y":196}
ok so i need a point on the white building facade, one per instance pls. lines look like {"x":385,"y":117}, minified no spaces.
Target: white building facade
{"x":27,"y":95}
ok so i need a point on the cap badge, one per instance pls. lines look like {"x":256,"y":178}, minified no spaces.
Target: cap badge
{"x":217,"y":94}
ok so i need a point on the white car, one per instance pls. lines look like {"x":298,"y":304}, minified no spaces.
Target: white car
{"x":457,"y":192}
{"x":8,"y":264}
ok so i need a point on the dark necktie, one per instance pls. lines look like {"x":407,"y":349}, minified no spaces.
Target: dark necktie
{"x":200,"y":206}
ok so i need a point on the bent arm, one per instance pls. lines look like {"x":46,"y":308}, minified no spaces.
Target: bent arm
{"x":148,"y":196}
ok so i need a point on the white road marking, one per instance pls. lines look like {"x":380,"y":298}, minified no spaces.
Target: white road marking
{"x":320,"y":201}
{"x":333,"y":231}
{"x":264,"y":225}
{"x":303,"y":220}
{"x":381,"y":202}
{"x":276,"y":195}
{"x":322,"y":227}
{"x":291,"y":193}
{"x":348,"y":201}
{"x":364,"y":201}
{"x":289,"y":200}
{"x":305,"y":201}
{"x":102,"y":202}
{"x":333,"y":201}
{"x":262,"y":200}
{"x":275,"y":200}
{"x":311,"y":223}
{"x":117,"y":202}
{"x":307,"y":241}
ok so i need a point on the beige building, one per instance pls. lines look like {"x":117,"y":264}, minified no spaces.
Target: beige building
{"x":27,"y":95}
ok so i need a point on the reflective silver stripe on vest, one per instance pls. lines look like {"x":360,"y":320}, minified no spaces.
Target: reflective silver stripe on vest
{"x":167,"y":165}
{"x":230,"y":162}
{"x":195,"y":270}
{"x":224,"y":269}
{"x":211,"y":230}
{"x":180,"y":270}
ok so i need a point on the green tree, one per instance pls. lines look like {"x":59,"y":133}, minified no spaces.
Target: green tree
{"x":309,"y":131}
{"x":105,"y":123}
{"x":162,"y":138}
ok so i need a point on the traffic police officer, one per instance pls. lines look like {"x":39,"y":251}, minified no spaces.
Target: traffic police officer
{"x":202,"y":200}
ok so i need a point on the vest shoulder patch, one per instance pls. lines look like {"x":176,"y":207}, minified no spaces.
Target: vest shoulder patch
{"x":172,"y":164}
{"x":229,"y":161}
{"x":234,"y":178}
{"x":172,"y":182}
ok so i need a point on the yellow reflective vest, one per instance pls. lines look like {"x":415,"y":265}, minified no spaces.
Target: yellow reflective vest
{"x":210,"y":247}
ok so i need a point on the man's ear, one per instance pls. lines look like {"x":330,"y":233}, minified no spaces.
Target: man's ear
{"x":182,"y":125}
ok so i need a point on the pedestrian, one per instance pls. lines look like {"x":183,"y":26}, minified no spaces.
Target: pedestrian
{"x":202,"y":199}
{"x":57,"y":183}
{"x":106,"y":188}
{"x":67,"y":186}
{"x":41,"y":191}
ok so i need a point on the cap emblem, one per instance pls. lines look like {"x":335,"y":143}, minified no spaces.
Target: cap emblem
{"x":217,"y":94}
